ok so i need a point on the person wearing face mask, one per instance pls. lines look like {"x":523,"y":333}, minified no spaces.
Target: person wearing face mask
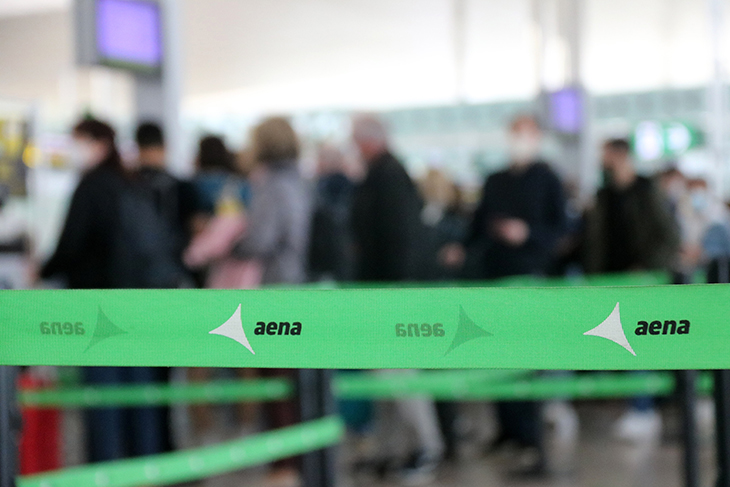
{"x":700,"y":214}
{"x":84,"y":251}
{"x":520,"y":218}
{"x":87,"y":257}
{"x":630,"y":227}
{"x":522,"y":212}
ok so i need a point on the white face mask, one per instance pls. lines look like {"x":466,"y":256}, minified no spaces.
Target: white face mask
{"x":523,"y":148}
{"x":82,"y":155}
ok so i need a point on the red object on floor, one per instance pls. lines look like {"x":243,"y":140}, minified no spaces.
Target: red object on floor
{"x":40,"y":438}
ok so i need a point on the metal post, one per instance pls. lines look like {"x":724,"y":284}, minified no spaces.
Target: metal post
{"x":722,"y":395}
{"x":687,"y":391}
{"x":316,"y":401}
{"x":722,"y":433}
{"x":9,"y":427}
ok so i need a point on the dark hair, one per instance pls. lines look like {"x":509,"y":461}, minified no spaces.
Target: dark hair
{"x":149,"y":134}
{"x":99,"y":131}
{"x":213,"y":154}
{"x":618,"y":145}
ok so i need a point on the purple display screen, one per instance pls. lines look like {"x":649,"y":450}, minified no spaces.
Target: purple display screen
{"x":128,"y":32}
{"x":566,"y":110}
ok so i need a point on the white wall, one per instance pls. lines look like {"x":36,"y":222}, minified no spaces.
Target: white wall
{"x":635,"y":45}
{"x":247,"y":56}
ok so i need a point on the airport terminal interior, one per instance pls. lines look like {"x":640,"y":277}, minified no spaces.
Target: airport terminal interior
{"x":467,"y":242}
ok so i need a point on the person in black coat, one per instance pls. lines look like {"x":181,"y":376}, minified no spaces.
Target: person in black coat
{"x":86,"y":257}
{"x":387,"y":229}
{"x":516,"y":226}
{"x":386,"y":211}
{"x":84,"y":253}
{"x":522,"y":212}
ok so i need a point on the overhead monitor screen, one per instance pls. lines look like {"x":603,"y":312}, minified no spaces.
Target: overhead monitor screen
{"x":128,"y":34}
{"x":566,"y":110}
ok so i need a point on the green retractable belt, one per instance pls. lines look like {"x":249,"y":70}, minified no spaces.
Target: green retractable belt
{"x":615,"y":328}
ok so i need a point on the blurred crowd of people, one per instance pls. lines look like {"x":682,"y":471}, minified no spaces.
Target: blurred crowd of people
{"x":252,"y":219}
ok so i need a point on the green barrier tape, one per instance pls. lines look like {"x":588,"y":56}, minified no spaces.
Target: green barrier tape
{"x":185,"y":466}
{"x":618,"y":328}
{"x":594,"y":386}
{"x":442,"y":386}
{"x":214,"y":392}
{"x":652,"y":278}
{"x":228,"y":391}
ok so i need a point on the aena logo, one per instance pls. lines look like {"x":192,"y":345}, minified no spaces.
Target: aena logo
{"x":281,"y":328}
{"x":233,"y":329}
{"x":612,"y":329}
{"x":668,"y":328}
{"x":58,"y":328}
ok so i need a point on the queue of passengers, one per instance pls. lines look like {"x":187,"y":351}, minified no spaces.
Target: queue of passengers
{"x":251,"y":220}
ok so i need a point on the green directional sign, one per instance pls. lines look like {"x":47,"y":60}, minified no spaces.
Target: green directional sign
{"x":653,"y":327}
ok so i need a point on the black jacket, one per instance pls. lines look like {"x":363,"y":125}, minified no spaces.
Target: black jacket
{"x":535,"y":196}
{"x":630,"y":229}
{"x":85,"y":249}
{"x":386,"y":223}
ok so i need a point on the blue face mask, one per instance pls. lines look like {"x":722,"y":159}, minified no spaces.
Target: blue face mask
{"x":699,"y":201}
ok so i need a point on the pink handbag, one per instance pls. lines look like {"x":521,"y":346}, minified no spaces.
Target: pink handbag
{"x":213,"y":247}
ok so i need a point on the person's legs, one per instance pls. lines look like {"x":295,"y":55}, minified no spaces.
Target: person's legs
{"x":447,"y":416}
{"x":282,"y":413}
{"x":521,"y":421}
{"x":106,"y":439}
{"x":420,"y":415}
{"x":147,"y":426}
{"x":641,"y":421}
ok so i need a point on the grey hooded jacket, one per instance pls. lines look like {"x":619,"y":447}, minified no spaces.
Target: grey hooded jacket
{"x":279,"y":220}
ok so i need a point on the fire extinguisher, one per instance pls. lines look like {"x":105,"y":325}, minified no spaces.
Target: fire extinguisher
{"x":40,"y":437}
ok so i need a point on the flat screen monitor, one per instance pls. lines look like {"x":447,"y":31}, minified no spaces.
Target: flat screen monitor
{"x":129,"y":34}
{"x":566,"y":110}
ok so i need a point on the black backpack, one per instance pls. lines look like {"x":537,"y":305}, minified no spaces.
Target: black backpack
{"x":149,"y":242}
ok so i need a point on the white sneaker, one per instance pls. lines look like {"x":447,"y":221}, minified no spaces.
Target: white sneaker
{"x":638,"y":426}
{"x":563,"y":419}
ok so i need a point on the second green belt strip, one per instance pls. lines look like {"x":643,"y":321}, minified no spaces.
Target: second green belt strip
{"x":185,"y":466}
{"x":623,"y":328}
{"x":367,"y":386}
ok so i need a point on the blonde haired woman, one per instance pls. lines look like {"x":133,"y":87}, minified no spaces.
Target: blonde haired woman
{"x":278,"y":237}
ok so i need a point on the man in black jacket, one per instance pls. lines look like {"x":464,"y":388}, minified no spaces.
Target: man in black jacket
{"x":522,"y":213}
{"x":521,"y":216}
{"x":386,"y":210}
{"x":173,"y":199}
{"x":387,"y":231}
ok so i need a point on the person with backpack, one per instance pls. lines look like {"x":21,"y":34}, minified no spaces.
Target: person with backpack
{"x":173,"y":205}
{"x":96,"y":242}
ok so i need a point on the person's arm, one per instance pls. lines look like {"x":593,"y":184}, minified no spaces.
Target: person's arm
{"x":664,"y":240}
{"x":545,"y":234}
{"x":478,"y":227}
{"x":75,"y":236}
{"x":263,"y":226}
